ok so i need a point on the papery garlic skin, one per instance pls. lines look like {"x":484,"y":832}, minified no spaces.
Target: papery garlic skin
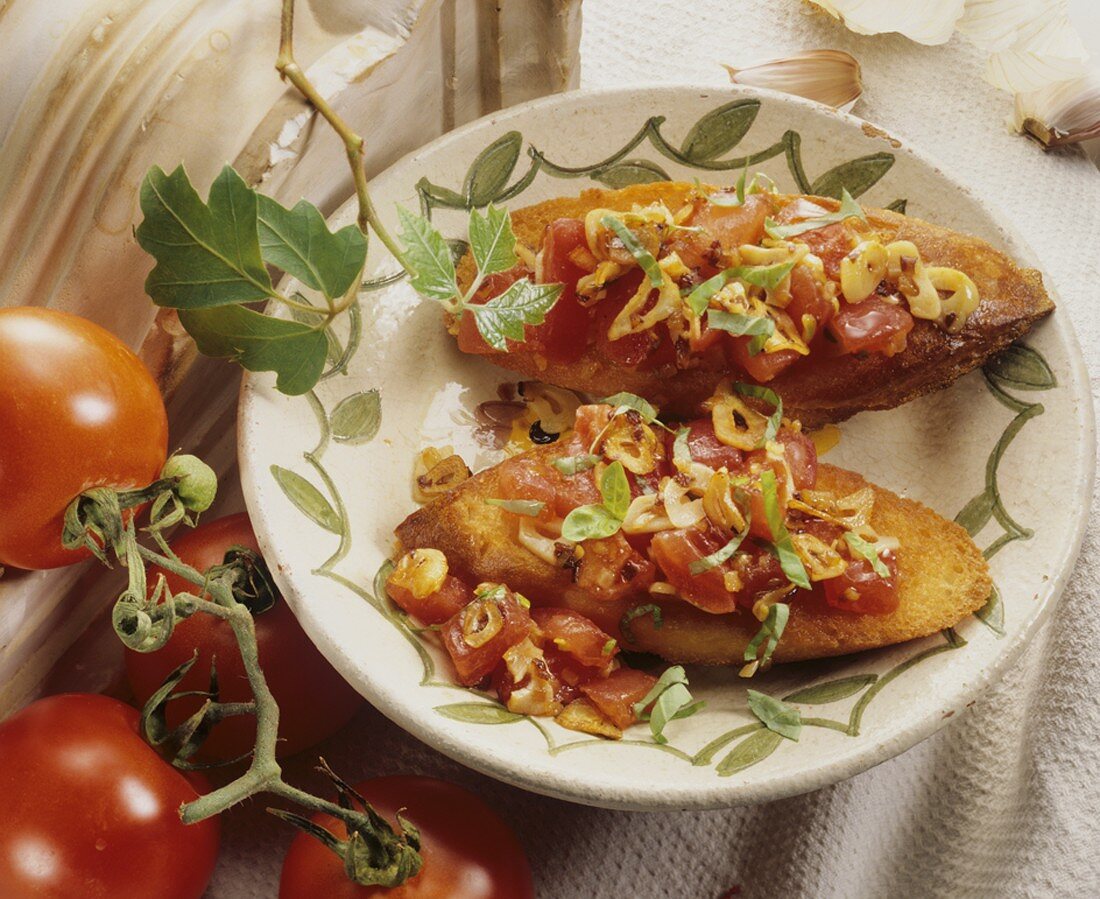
{"x":831,"y":77}
{"x":1044,"y":48}
{"x":924,"y":21}
{"x":1064,"y":113}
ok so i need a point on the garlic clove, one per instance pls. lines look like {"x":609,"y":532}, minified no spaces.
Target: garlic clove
{"x":831,"y":77}
{"x":1047,"y":49}
{"x":930,"y":22}
{"x":1063,"y":113}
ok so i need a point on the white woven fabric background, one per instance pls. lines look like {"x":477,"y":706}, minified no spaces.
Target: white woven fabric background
{"x":1005,"y":801}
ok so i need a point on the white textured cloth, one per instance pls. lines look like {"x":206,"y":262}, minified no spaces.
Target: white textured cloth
{"x":1004,"y":802}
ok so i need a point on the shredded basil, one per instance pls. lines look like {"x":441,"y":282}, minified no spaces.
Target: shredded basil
{"x":637,"y":612}
{"x":758,"y":326}
{"x":609,"y":646}
{"x":784,"y":550}
{"x":719,"y":556}
{"x":681,"y":452}
{"x":532,"y":508}
{"x":771,"y":629}
{"x":769,"y":396}
{"x":625,"y":402}
{"x":645,"y":258}
{"x":571,"y":465}
{"x":869,"y":551}
{"x":766,"y":276}
{"x":849,"y":208}
{"x":670,"y":699}
{"x":776,"y":715}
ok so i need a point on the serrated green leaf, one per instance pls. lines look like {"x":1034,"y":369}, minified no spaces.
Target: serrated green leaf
{"x":299,"y":242}
{"x":307,"y":499}
{"x":503,"y":317}
{"x":857,"y":176}
{"x":630,"y":171}
{"x":294,"y":351}
{"x":832,"y":691}
{"x":1021,"y":367}
{"x":491,"y":240}
{"x":776,"y":715}
{"x":478,"y":713}
{"x":754,"y":748}
{"x":488,"y":175}
{"x":427,"y":254}
{"x":720,"y":130}
{"x":356,"y":418}
{"x":208,"y":254}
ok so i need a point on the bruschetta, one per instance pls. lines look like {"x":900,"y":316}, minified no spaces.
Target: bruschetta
{"x":718,"y":541}
{"x":670,"y":288}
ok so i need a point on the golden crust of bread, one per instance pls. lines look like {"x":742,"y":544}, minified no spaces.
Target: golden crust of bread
{"x":1012,"y":300}
{"x":943,"y":578}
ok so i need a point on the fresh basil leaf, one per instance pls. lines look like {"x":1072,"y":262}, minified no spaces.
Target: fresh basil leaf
{"x":681,"y":452}
{"x":503,"y":317}
{"x":571,"y":465}
{"x":492,"y":242}
{"x":592,"y":522}
{"x":208,"y":254}
{"x":776,"y":715}
{"x":784,"y":550}
{"x":670,"y":699}
{"x":294,"y":351}
{"x":624,"y":402}
{"x":717,"y":557}
{"x":641,"y":254}
{"x":739,"y":325}
{"x":299,"y":242}
{"x":427,"y":255}
{"x":637,"y":612}
{"x":615,"y":490}
{"x":849,"y":208}
{"x":532,"y":508}
{"x":771,"y":629}
{"x":769,"y":396}
{"x":868,"y":551}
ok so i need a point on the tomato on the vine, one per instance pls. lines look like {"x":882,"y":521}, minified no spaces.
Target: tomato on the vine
{"x":468,"y":851}
{"x":314,"y":700}
{"x":77,"y":410}
{"x":91,"y":810}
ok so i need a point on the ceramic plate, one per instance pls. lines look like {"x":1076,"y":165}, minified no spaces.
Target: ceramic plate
{"x":327,"y":476}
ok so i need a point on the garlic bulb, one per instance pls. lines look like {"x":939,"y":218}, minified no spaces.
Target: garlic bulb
{"x":927,"y":22}
{"x":1063,"y":113}
{"x":831,"y":77}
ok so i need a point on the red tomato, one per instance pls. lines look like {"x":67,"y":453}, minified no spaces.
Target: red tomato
{"x":807,"y":299}
{"x":563,"y":337}
{"x":611,"y":569}
{"x":873,"y":326}
{"x":91,"y":810}
{"x":500,"y":620}
{"x":574,"y":635}
{"x":633,"y":349}
{"x":763,"y":366}
{"x":468,"y":850}
{"x":616,"y":694}
{"x":708,"y":450}
{"x":523,"y":478}
{"x":675,"y":550}
{"x":874,"y":595}
{"x":77,"y":410}
{"x":734,"y":225}
{"x":314,"y":700}
{"x":437,"y":607}
{"x":801,"y":456}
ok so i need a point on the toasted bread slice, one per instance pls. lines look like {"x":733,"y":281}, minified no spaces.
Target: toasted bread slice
{"x":830,"y":389}
{"x":943,"y":578}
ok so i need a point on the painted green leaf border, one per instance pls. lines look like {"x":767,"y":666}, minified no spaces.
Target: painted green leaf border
{"x":715,"y":134}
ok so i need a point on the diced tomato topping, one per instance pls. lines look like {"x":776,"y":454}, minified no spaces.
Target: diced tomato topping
{"x":873,"y":326}
{"x":646,"y":349}
{"x":534,"y":479}
{"x":590,"y":422}
{"x":762,"y":367}
{"x":575,"y":636}
{"x":759,"y":572}
{"x":734,"y":225}
{"x":435,"y":608}
{"x":874,"y":595}
{"x":511,"y":622}
{"x":707,"y":449}
{"x":611,"y":569}
{"x":563,"y":337}
{"x":808,"y":299}
{"x":469,"y":338}
{"x":616,"y":694}
{"x":801,"y":456}
{"x":674,"y":551}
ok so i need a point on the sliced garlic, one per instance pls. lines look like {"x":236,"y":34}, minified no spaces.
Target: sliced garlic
{"x":831,"y":77}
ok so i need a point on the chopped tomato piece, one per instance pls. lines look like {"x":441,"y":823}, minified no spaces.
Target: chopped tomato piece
{"x":734,"y":225}
{"x":540,"y":690}
{"x":563,"y":337}
{"x":435,"y":608}
{"x":870,"y":594}
{"x":759,"y":572}
{"x":611,"y":569}
{"x":469,"y":338}
{"x":801,"y":456}
{"x":707,"y":449}
{"x":762,"y":367}
{"x":633,"y":349}
{"x":873,"y":326}
{"x":534,"y":479}
{"x":675,"y":550}
{"x":616,"y":694}
{"x":477,"y":637}
{"x":807,"y":298}
{"x":577,"y":637}
{"x":590,"y":423}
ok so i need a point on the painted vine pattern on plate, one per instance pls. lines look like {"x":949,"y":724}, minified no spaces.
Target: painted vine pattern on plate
{"x":491,"y":178}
